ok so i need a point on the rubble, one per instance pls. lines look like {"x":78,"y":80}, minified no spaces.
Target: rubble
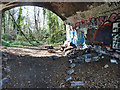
{"x":106,"y":66}
{"x":113,"y":61}
{"x":88,"y":75}
{"x":96,"y":58}
{"x":4,"y":53}
{"x":67,"y":78}
{"x":72,"y":65}
{"x":70,"y":71}
{"x":5,"y":59}
{"x":71,"y":60}
{"x":77,"y":83}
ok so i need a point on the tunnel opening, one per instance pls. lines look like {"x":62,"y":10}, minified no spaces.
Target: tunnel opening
{"x":32,"y":24}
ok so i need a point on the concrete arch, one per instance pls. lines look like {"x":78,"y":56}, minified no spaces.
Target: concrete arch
{"x":63,"y":9}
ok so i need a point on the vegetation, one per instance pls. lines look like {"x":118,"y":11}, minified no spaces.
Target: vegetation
{"x":22,"y":28}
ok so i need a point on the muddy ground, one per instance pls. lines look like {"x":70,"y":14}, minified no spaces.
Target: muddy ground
{"x":33,"y":67}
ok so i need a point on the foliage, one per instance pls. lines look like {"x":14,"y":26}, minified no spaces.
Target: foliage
{"x":19,"y":29}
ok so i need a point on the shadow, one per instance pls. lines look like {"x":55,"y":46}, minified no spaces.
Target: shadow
{"x":35,"y":72}
{"x":45,"y":72}
{"x":38,"y":48}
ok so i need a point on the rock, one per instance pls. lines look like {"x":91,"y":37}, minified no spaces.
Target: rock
{"x":7,"y":70}
{"x":113,"y":61}
{"x":71,"y":55}
{"x":28,"y":82}
{"x":62,"y":85}
{"x":70,"y":71}
{"x":96,"y":58}
{"x":72,"y":65}
{"x":5,"y":59}
{"x":71,"y":60}
{"x":106,"y":66}
{"x":4,"y":53}
{"x":67,"y":78}
{"x":77,"y":83}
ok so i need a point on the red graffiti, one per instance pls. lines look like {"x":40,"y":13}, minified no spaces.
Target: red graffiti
{"x":91,"y":22}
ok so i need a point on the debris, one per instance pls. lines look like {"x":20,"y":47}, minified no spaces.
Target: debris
{"x":5,"y":59}
{"x":75,"y":61}
{"x":29,"y":82}
{"x":19,"y":62}
{"x":89,"y":72}
{"x":71,"y":60}
{"x":87,"y":57}
{"x":72,"y":65}
{"x":67,"y":78}
{"x":71,"y":55}
{"x":62,"y":85}
{"x":102,"y":57}
{"x":4,"y":53}
{"x":3,"y":81}
{"x":7,"y":70}
{"x":106,"y":66}
{"x":113,"y":61}
{"x":77,"y":83}
{"x":80,"y":59}
{"x":101,"y":51}
{"x":88,"y":60}
{"x":96,"y":58}
{"x":116,"y":55}
{"x":70,"y":71}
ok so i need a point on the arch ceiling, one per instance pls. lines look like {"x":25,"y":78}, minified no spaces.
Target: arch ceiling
{"x":67,"y":11}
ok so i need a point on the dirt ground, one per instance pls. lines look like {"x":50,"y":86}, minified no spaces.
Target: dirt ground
{"x":33,"y":67}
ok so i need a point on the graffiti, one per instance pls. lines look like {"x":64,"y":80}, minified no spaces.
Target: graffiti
{"x":99,"y":31}
{"x":103,"y":34}
{"x":95,"y":22}
{"x":90,"y":35}
{"x":116,"y":35}
{"x":75,"y":37}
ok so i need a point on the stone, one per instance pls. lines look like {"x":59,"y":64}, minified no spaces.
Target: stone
{"x":5,"y":59}
{"x":70,"y":71}
{"x":77,"y":83}
{"x":106,"y":66}
{"x":113,"y":61}
{"x":72,"y":65}
{"x":96,"y":58}
{"x":71,"y":60}
{"x":62,"y":85}
{"x":4,"y":53}
{"x":67,"y":78}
